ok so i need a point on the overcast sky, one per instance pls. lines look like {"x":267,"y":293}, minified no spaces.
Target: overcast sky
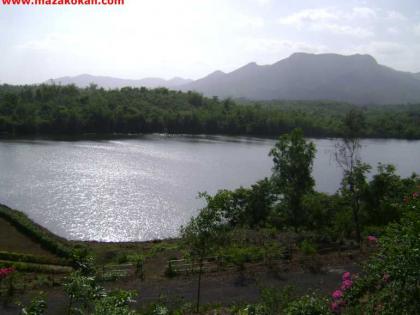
{"x":191,"y":38}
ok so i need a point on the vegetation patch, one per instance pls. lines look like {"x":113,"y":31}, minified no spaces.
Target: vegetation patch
{"x":42,"y":236}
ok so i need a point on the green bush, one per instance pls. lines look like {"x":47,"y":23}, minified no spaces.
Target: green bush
{"x":31,"y":267}
{"x":391,"y":281}
{"x":18,"y":257}
{"x":36,"y":307}
{"x":308,"y":248}
{"x":308,"y":305}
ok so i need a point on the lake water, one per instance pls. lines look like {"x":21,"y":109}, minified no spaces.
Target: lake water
{"x":145,"y":187}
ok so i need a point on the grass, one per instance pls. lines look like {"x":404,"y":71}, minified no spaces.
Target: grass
{"x":46,"y":239}
{"x":12,"y":240}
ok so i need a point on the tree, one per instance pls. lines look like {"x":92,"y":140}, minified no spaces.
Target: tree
{"x":201,"y":236}
{"x":293,"y":160}
{"x":354,"y":188}
{"x":347,"y":155}
{"x":259,"y":203}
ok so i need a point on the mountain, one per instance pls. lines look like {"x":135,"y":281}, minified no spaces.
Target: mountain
{"x":356,"y":79}
{"x":417,"y":75}
{"x":85,"y":80}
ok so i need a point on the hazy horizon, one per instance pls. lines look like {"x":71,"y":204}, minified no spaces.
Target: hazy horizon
{"x":190,"y":39}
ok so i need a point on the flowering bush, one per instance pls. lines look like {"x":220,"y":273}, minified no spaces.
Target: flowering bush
{"x":4,"y":272}
{"x":338,"y":301}
{"x":391,"y":284}
{"x":372,"y":239}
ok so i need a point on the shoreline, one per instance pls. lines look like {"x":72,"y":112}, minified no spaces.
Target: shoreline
{"x":98,"y":136}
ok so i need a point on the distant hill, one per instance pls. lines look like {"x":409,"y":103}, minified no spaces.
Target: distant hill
{"x":85,"y":80}
{"x":357,"y":79}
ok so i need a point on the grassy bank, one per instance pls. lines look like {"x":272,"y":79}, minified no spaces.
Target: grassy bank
{"x":46,"y":239}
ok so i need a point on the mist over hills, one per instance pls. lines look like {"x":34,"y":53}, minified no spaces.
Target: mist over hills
{"x":85,"y":80}
{"x":356,"y":79}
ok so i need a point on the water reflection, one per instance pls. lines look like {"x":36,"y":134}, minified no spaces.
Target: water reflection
{"x":145,"y":187}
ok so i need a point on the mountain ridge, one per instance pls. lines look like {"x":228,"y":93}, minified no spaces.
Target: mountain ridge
{"x":357,"y":79}
{"x":84,"y":80}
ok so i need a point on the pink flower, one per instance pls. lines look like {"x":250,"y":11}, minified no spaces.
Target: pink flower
{"x":4,"y":272}
{"x":346,"y":284}
{"x":372,"y":239}
{"x":386,"y":277}
{"x":337,"y":294}
{"x":346,"y":276}
{"x":335,"y":307}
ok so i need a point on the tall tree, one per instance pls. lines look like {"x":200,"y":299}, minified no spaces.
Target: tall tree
{"x":201,"y":236}
{"x":292,"y":172}
{"x":347,"y":155}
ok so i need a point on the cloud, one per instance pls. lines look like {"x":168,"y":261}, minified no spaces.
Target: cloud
{"x":363,"y":12}
{"x":385,"y":48}
{"x":393,"y":30}
{"x":331,"y":20}
{"x":394,"y":15}
{"x":416,"y":29}
{"x":308,"y":16}
{"x":51,"y":42}
{"x":343,"y":30}
{"x":263,"y":2}
{"x":276,"y":46}
{"x":244,"y":21}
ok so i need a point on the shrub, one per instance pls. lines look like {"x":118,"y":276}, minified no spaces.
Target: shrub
{"x":391,"y":284}
{"x":36,"y":307}
{"x":308,"y":305}
{"x":308,"y":248}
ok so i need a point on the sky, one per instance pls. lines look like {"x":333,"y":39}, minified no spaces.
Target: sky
{"x":192,"y":38}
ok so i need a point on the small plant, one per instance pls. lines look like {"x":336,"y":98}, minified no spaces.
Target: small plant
{"x":115,"y":303}
{"x":308,"y":248}
{"x":170,"y":271}
{"x":307,"y":305}
{"x":36,"y":307}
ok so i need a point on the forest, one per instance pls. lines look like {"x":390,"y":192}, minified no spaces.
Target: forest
{"x":68,"y":110}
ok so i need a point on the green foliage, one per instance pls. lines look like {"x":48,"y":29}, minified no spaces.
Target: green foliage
{"x":83,"y":262}
{"x":82,"y":290}
{"x":114,"y":303}
{"x":36,"y":307}
{"x":281,"y":302}
{"x":391,"y":281}
{"x":243,"y":206}
{"x":170,"y":272}
{"x":241,"y":255}
{"x":204,"y":233}
{"x":383,"y":196}
{"x":273,"y":301}
{"x":35,"y":267}
{"x":293,"y":160}
{"x":19,"y":257}
{"x":58,"y":109}
{"x":308,"y":248}
{"x":202,"y":236}
{"x":308,"y":305}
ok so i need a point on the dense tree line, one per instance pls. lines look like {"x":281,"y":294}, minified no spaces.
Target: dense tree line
{"x":54,"y":109}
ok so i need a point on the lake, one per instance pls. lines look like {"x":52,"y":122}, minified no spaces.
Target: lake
{"x":145,"y":187}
